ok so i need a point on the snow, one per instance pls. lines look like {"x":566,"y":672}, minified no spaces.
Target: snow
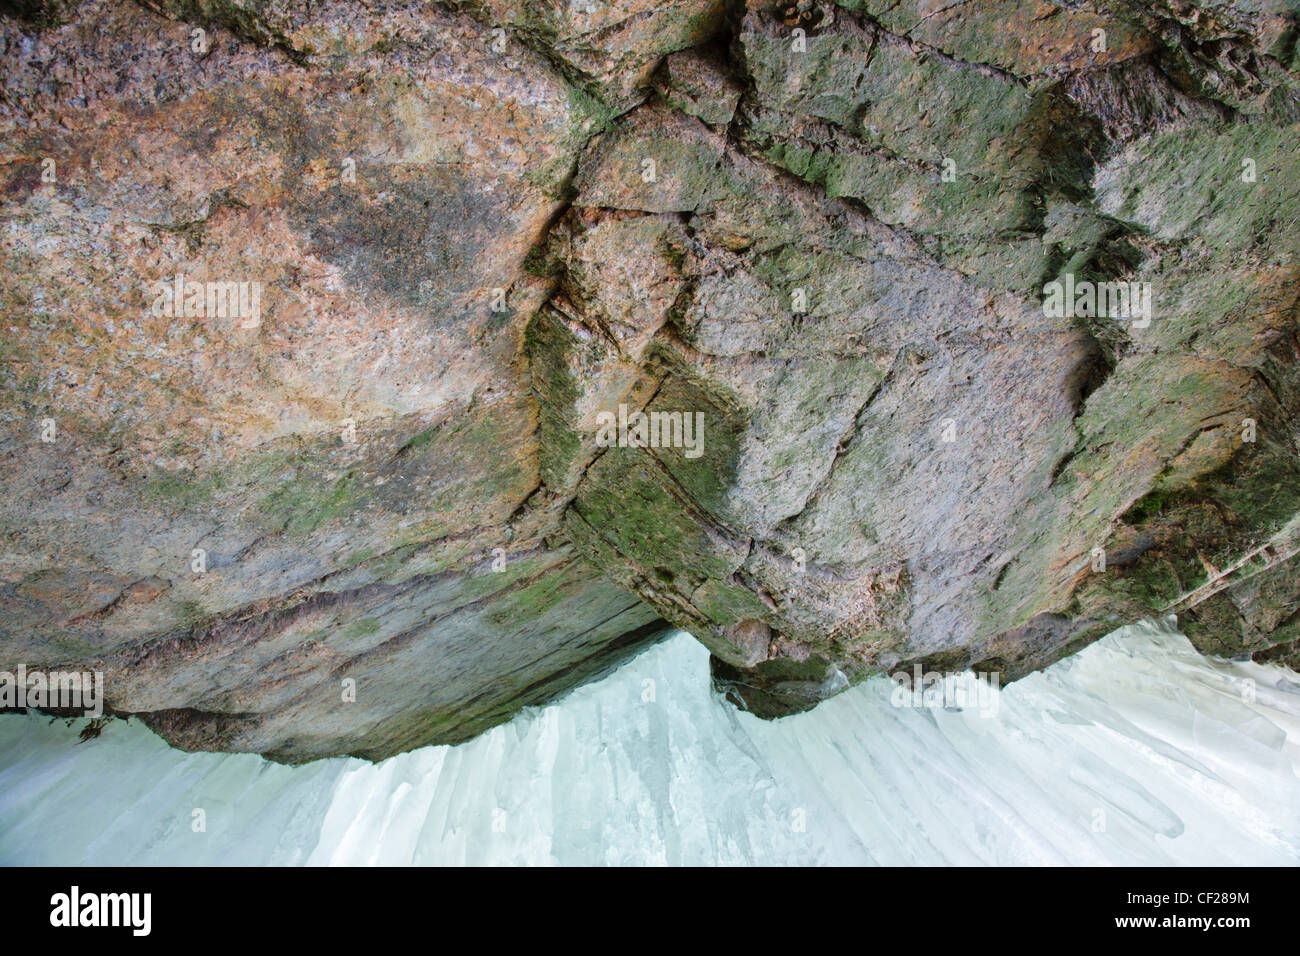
{"x":1135,"y":751}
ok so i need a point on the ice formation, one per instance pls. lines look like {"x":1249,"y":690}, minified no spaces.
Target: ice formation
{"x":1137,"y":750}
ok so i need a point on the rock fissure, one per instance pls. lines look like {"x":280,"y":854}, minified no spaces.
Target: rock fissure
{"x":480,"y":227}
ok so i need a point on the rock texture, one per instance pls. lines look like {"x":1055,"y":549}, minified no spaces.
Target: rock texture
{"x":823,"y":230}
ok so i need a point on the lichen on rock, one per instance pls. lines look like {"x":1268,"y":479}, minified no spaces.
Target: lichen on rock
{"x":486,"y":236}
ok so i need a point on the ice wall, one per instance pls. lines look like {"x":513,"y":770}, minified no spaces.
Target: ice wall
{"x":1136,"y":750}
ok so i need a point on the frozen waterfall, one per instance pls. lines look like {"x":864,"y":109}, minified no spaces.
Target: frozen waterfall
{"x":1135,"y":751}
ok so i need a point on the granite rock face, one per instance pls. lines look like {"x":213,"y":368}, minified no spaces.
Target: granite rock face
{"x":398,"y":491}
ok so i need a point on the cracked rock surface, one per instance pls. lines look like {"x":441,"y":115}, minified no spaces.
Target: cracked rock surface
{"x":480,"y":229}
